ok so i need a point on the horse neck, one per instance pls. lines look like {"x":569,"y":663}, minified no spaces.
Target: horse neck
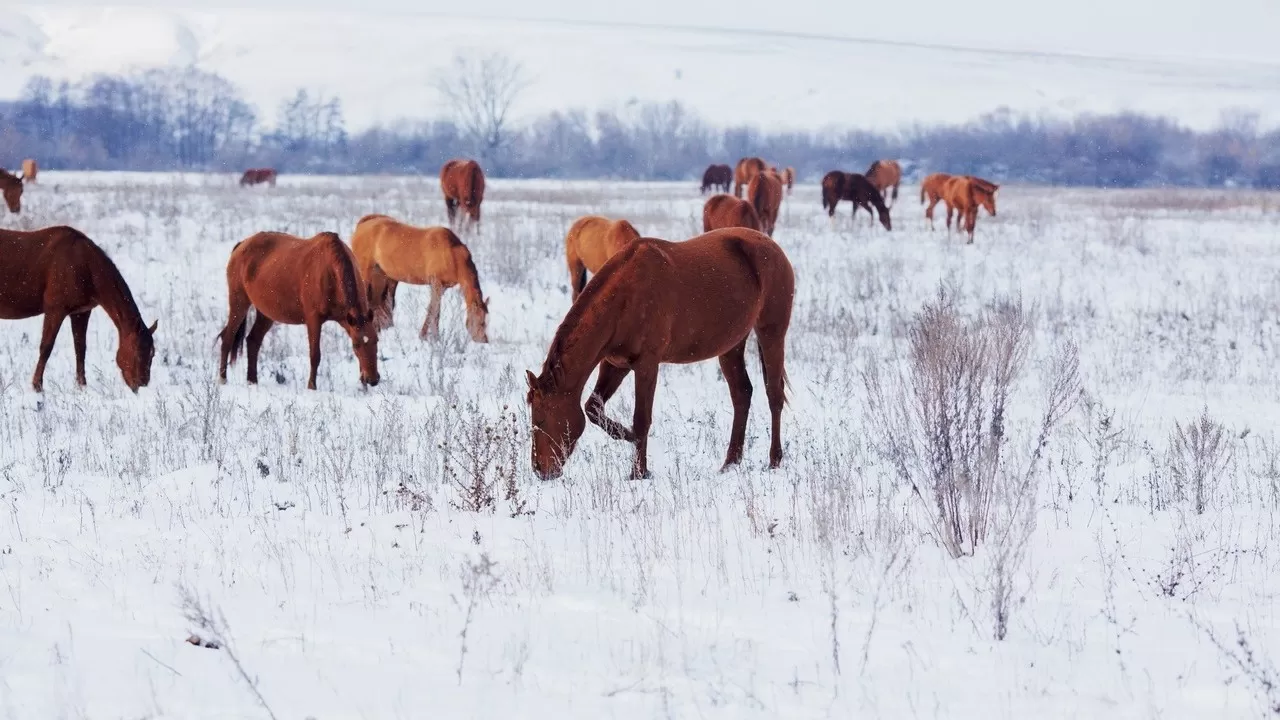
{"x":114,"y":296}
{"x":583,"y":337}
{"x":469,"y":281}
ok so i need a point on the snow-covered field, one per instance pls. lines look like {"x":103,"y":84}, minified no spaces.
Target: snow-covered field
{"x":322,"y":540}
{"x":824,"y":64}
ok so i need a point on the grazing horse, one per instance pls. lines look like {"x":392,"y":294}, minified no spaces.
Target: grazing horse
{"x":857,"y":189}
{"x":462,"y":182}
{"x":765,"y":194}
{"x":931,"y":190}
{"x":58,"y":272}
{"x":389,"y":252}
{"x":257,"y":176}
{"x":885,"y":174}
{"x":747,"y":168}
{"x":290,"y":280}
{"x":726,"y":211}
{"x":789,"y":178}
{"x":30,"y":169}
{"x":11,"y":188}
{"x":589,"y":244}
{"x":719,"y":177}
{"x":662,"y":302}
{"x":966,"y":193}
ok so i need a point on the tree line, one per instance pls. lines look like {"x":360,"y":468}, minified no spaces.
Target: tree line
{"x":188,"y":119}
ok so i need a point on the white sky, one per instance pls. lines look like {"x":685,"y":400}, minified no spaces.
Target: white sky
{"x":1185,"y":29}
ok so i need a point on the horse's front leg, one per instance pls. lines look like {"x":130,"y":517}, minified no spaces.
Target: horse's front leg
{"x":52,"y":323}
{"x":431,"y":325}
{"x":646,"y":387}
{"x":608,"y":381}
{"x":313,"y":339}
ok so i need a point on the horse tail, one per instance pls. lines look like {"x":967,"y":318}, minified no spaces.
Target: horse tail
{"x":895,"y":193}
{"x":238,"y":336}
{"x":922,"y":193}
{"x":475,"y":181}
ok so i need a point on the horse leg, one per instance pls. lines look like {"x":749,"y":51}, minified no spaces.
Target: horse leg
{"x":52,"y":323}
{"x":237,"y":314}
{"x":313,"y":339}
{"x":928,"y":212}
{"x":950,"y":210}
{"x":431,"y":326}
{"x":970,"y":222}
{"x":79,"y":337}
{"x":259,"y":331}
{"x":577,"y":276}
{"x":608,"y":381}
{"x":733,"y":366}
{"x":451,"y":207}
{"x":646,"y":387}
{"x":772,"y":342}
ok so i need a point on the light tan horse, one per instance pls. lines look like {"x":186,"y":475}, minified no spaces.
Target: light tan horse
{"x":389,"y":252}
{"x":885,"y":174}
{"x":589,"y":244}
{"x":966,"y":194}
{"x":30,"y":169}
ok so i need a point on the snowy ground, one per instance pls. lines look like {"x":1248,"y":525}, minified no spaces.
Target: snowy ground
{"x":805,"y":65}
{"x":321,"y":531}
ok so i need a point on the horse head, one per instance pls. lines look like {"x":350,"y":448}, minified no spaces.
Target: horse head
{"x":558,"y":422}
{"x":135,"y":354}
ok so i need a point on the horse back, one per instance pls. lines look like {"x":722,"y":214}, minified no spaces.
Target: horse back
{"x":51,"y":265}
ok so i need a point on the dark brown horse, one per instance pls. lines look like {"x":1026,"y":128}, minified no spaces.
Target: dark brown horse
{"x":886,"y":174}
{"x":747,"y":168}
{"x":462,"y":182}
{"x":60,"y":273}
{"x":11,"y":188}
{"x":965,"y":194}
{"x":855,"y":188}
{"x":296,"y":282}
{"x":589,"y":244}
{"x":662,"y":302}
{"x":726,"y":211}
{"x":257,"y":176}
{"x":718,"y":177}
{"x":765,"y":194}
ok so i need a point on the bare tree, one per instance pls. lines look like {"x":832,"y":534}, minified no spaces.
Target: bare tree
{"x":480,"y":91}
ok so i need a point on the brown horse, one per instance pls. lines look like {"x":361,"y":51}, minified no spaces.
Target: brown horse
{"x":589,"y":244}
{"x":857,"y":189}
{"x":885,"y":174}
{"x":296,"y":282}
{"x":662,"y":302}
{"x":11,"y":188}
{"x":765,"y":194}
{"x":726,"y":211}
{"x":257,"y":176}
{"x":931,"y":190}
{"x":747,"y":168}
{"x":966,"y":194}
{"x":58,"y":272}
{"x":462,"y":182}
{"x":719,"y":177}
{"x":789,"y":178}
{"x":389,"y":252}
{"x":29,"y":170}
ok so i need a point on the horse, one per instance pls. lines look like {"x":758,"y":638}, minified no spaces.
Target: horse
{"x":389,"y":252}
{"x":726,"y":211}
{"x":747,"y":168}
{"x":718,"y":177}
{"x":30,"y":169}
{"x":589,"y":244}
{"x":885,"y":174}
{"x":765,"y":194}
{"x":462,"y":182}
{"x":966,"y":193}
{"x":857,"y":189}
{"x":257,"y":176}
{"x":296,"y":281}
{"x":789,"y":178}
{"x":59,"y":272}
{"x":11,"y":188}
{"x":931,"y":190}
{"x":662,"y":302}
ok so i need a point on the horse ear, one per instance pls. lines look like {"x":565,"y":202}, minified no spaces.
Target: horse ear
{"x":533,"y":379}
{"x":152,"y":330}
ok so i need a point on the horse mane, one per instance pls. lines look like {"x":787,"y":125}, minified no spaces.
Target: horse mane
{"x":871,"y":170}
{"x":346,"y":271}
{"x":107,"y":278}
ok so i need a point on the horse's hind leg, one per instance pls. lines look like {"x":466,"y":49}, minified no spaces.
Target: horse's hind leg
{"x":733,"y":365}
{"x":608,"y":381}
{"x":772,"y":342}
{"x":259,"y":331}
{"x":313,"y":340}
{"x":79,"y":338}
{"x":928,"y":212}
{"x":431,"y":325}
{"x":52,"y":323}
{"x":646,"y":388}
{"x":237,"y":313}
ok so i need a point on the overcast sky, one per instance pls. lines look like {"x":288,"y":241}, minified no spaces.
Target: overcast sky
{"x":1235,"y":29}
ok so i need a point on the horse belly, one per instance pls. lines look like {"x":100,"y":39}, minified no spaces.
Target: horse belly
{"x":280,"y":307}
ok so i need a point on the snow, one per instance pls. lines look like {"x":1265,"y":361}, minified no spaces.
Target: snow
{"x":319,"y":529}
{"x":879,"y":68}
